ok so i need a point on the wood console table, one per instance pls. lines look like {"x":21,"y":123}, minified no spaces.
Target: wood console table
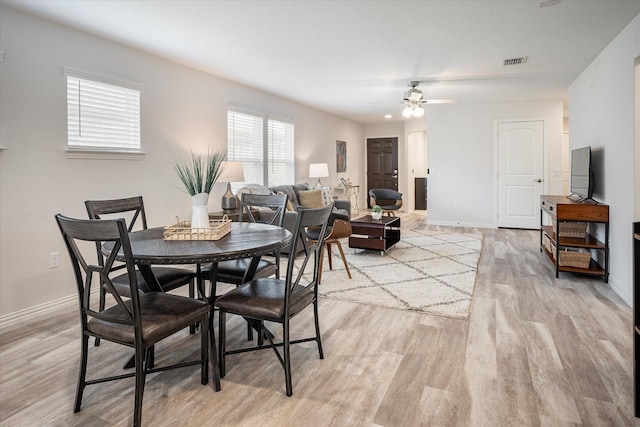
{"x":563,"y":209}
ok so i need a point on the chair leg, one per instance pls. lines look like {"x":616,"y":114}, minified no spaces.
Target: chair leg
{"x":139,"y":388}
{"x":222,"y":325}
{"x":344,"y":259}
{"x":103,"y":297}
{"x":328,"y":245}
{"x":151,"y":357}
{"x":317,"y":324}
{"x":82,"y":373}
{"x":277,"y":261}
{"x":249,"y":331}
{"x":192,"y":294}
{"x":215,"y":368}
{"x":287,"y":357}
{"x":260,"y":328}
{"x":204,"y":351}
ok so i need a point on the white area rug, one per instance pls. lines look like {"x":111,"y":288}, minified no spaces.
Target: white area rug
{"x":427,"y":271}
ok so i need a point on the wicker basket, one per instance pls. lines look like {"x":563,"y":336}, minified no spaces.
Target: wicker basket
{"x":546,"y":242}
{"x":183,"y":231}
{"x":576,"y":259}
{"x":571,"y":229}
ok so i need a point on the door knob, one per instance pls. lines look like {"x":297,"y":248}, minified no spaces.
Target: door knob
{"x":538,"y":180}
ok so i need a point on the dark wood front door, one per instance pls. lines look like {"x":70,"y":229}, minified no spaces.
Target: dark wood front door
{"x":382,"y":163}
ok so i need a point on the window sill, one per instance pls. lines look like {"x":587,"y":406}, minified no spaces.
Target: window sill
{"x":105,"y":155}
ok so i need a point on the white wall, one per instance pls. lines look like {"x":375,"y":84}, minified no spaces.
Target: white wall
{"x":601,"y":114}
{"x":461,"y":140}
{"x":181,"y":108}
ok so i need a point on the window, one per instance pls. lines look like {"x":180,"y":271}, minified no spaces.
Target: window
{"x":102,"y":116}
{"x":263,"y":145}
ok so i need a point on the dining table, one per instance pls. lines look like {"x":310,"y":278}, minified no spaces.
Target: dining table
{"x":245,"y":240}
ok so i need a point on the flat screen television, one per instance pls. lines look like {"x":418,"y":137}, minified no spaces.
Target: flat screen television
{"x":581,"y":177}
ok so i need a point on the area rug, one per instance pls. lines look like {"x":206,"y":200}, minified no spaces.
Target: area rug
{"x":428,"y":271}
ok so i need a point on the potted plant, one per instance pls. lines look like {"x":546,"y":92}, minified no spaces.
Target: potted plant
{"x":198,"y":174}
{"x":376,"y":212}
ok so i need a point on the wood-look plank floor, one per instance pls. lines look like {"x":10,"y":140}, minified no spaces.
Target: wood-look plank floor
{"x":535,"y":351}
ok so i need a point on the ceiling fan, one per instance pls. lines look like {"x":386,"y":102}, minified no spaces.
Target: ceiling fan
{"x":413,"y":100}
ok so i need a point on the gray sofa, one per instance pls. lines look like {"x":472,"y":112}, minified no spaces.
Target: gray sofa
{"x":341,"y":207}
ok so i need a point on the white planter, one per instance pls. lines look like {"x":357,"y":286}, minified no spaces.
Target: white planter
{"x":376,"y":215}
{"x":199,"y":211}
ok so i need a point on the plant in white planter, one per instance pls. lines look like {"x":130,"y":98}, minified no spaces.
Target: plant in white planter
{"x":376,"y":212}
{"x":198,"y":174}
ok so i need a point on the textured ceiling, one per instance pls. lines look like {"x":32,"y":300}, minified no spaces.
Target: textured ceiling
{"x":354,"y":58}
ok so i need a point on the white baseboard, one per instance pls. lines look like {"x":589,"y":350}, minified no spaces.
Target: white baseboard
{"x":618,"y":291}
{"x":459,"y":224}
{"x":31,"y":313}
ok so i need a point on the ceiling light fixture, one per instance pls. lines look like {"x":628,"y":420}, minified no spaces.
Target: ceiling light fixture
{"x":413,"y":102}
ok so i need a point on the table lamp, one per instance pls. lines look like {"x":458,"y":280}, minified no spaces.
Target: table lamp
{"x":231,"y":172}
{"x":318,"y":170}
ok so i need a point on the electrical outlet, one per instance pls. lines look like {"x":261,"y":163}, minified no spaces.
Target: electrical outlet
{"x":54,"y":259}
{"x":456,"y":204}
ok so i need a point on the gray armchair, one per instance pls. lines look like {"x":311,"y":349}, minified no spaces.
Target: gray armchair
{"x":388,"y":200}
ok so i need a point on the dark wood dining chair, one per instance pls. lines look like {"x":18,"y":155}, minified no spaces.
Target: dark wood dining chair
{"x":276,"y":300}
{"x":169,"y":278}
{"x":138,"y":320}
{"x":271,"y":210}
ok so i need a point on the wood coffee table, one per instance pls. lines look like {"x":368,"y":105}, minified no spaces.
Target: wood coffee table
{"x":375,"y":234}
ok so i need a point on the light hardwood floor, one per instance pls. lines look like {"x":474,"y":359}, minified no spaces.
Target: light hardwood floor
{"x":535,"y":351}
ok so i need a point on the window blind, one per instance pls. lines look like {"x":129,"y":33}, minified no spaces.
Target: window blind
{"x":245,"y":136}
{"x":101,"y":116}
{"x":281,"y":156}
{"x":264,"y":146}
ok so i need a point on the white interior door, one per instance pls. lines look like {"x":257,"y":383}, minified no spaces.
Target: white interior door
{"x":520,"y":173}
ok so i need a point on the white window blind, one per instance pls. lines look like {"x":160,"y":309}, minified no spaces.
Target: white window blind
{"x":102,"y":116}
{"x":245,"y":144}
{"x":264,"y":146}
{"x":281,"y":156}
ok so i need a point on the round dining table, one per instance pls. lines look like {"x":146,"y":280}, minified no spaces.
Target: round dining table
{"x":246,"y":240}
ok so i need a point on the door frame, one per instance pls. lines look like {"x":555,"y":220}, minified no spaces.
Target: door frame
{"x":401,"y":151}
{"x":496,"y":166}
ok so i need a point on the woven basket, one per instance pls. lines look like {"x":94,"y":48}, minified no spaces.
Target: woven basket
{"x":546,"y":242}
{"x":183,"y":231}
{"x":575,"y":259}
{"x":571,"y":229}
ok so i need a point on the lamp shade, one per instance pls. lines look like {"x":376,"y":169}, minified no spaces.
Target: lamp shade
{"x":318,"y":170}
{"x":232,"y":172}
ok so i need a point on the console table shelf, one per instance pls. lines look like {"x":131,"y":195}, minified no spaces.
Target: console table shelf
{"x":562,"y":210}
{"x":588,"y":242}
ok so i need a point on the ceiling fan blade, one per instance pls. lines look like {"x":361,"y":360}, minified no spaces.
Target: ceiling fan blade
{"x":442,"y":101}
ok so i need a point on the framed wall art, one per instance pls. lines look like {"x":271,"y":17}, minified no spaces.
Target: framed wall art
{"x":341,"y":156}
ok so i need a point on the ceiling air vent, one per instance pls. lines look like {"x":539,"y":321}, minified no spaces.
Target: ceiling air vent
{"x":514,"y":61}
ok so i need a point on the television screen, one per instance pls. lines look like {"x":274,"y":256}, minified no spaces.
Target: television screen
{"x":581,"y":172}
